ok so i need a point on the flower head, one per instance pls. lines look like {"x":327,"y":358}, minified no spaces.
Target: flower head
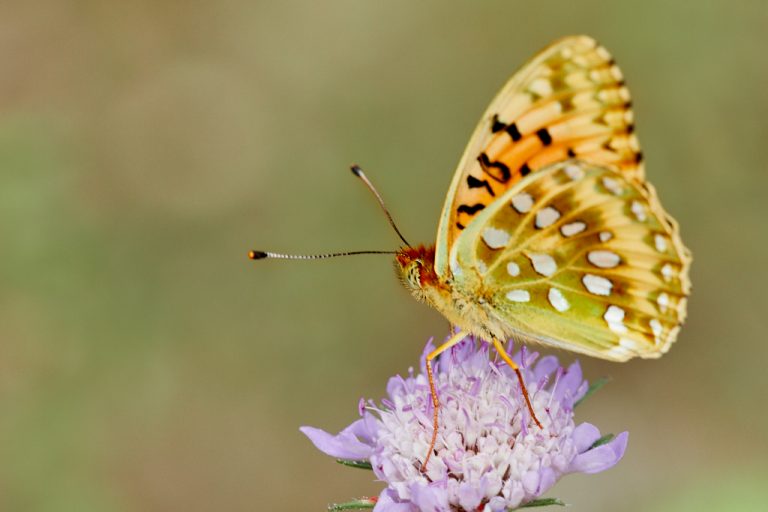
{"x":489,"y":455}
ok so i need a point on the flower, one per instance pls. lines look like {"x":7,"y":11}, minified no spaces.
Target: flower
{"x":488,"y":456}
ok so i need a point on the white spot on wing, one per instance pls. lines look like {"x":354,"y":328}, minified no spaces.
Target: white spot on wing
{"x":513,"y":269}
{"x":624,"y":94}
{"x":620,"y":351}
{"x":671,"y":336}
{"x":605,"y":236}
{"x":495,"y":238}
{"x":613,"y":186}
{"x":614,"y":317}
{"x":546,"y":217}
{"x":667,"y":272}
{"x":573,"y":171}
{"x":597,"y":285}
{"x":639,"y":210}
{"x":522,"y":202}
{"x":541,"y":86}
{"x":628,"y":343}
{"x":558,"y":301}
{"x":544,"y":264}
{"x":661,"y":243}
{"x":602,"y":53}
{"x":573,"y":228}
{"x":482,"y":267}
{"x":657,"y":329}
{"x":580,"y":61}
{"x":603,"y":259}
{"x":663,"y":301}
{"x":519,"y":296}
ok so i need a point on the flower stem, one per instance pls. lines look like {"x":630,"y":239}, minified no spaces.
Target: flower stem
{"x":360,"y":464}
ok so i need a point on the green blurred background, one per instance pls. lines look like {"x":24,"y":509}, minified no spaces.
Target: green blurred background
{"x":145,"y":146}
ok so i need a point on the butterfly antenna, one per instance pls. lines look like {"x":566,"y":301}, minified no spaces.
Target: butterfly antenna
{"x":260,"y":255}
{"x":357,"y":171}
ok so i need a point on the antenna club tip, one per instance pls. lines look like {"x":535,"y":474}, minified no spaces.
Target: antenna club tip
{"x":356,"y":170}
{"x":257,"y":255}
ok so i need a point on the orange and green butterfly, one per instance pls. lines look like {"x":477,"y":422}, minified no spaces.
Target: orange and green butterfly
{"x":550,"y":233}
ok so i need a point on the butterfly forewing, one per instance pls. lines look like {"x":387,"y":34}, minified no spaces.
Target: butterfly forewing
{"x":569,"y":101}
{"x":581,"y":257}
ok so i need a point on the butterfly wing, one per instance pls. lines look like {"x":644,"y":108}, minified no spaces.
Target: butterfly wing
{"x":579,"y":257}
{"x":569,"y":101}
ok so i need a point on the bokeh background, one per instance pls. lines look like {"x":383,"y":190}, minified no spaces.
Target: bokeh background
{"x":145,"y":146}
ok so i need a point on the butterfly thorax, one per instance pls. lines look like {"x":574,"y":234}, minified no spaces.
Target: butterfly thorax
{"x":463,"y":308}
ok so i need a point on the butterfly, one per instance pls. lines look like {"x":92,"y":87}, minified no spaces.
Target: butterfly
{"x":550,"y":233}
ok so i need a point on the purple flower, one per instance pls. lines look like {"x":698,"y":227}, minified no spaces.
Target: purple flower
{"x":489,"y":455}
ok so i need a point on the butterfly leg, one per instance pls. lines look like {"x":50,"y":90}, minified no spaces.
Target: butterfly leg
{"x":503,"y":353}
{"x":433,"y":392}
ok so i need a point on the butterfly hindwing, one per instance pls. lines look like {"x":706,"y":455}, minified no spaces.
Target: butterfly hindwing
{"x":581,"y":257}
{"x":568,"y":101}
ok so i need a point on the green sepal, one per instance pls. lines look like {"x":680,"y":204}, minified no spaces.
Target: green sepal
{"x":359,"y":504}
{"x":359,"y":464}
{"x":593,"y":388}
{"x":603,"y":440}
{"x":541,"y":502}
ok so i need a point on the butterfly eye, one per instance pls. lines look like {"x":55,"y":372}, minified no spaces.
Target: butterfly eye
{"x":413,"y":274}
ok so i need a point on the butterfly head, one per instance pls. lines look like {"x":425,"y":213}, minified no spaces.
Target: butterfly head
{"x":415,"y":267}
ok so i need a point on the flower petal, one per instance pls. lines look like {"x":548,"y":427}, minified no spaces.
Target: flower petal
{"x":364,"y":429}
{"x":530,"y":481}
{"x":547,"y":479}
{"x":601,"y":458}
{"x":430,"y":498}
{"x":581,"y":391}
{"x":545,"y":367}
{"x":470,"y":495}
{"x":584,"y":435}
{"x":569,"y":382}
{"x":387,"y":503}
{"x":345,"y":445}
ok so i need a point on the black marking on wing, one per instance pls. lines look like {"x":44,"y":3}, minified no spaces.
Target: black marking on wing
{"x":514,"y":132}
{"x":497,"y":125}
{"x":473,"y":182}
{"x":460,"y":225}
{"x":511,"y":129}
{"x":489,"y":166}
{"x":525,"y":170}
{"x":544,"y":136}
{"x":571,"y":152}
{"x":465,"y":208}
